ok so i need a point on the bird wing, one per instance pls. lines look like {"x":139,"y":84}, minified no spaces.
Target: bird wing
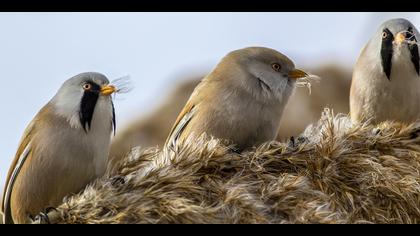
{"x":181,"y":122}
{"x":187,"y":113}
{"x":22,"y":154}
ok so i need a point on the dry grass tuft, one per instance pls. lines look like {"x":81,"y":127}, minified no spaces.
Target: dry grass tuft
{"x":333,"y":173}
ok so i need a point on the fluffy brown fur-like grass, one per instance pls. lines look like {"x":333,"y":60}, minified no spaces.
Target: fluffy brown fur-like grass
{"x":333,"y":173}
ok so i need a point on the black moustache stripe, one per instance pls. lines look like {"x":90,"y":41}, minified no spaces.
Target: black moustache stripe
{"x":87,"y":106}
{"x":386,"y":53}
{"x":414,"y":50}
{"x":114,"y":124}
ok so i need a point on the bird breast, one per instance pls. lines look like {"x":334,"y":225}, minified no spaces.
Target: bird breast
{"x":90,"y":147}
{"x":241,"y":119}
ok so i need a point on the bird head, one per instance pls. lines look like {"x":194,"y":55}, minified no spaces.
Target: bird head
{"x":85,"y":98}
{"x":396,"y":44}
{"x":265,"y":73}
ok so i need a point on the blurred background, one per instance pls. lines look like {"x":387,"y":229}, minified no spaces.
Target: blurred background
{"x":165,"y":55}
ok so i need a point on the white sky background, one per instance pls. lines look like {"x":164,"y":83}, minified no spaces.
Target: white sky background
{"x":38,"y":51}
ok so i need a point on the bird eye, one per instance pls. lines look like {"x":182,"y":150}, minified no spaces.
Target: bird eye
{"x":384,"y":35}
{"x":87,"y":86}
{"x":276,"y":66}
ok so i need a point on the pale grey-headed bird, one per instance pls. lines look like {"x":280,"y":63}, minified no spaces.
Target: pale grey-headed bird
{"x":386,"y":81}
{"x":241,"y":100}
{"x":64,"y":148}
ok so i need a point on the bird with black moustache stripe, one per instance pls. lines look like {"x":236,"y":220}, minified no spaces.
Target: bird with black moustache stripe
{"x":386,"y":81}
{"x":241,"y":100}
{"x":64,"y":148}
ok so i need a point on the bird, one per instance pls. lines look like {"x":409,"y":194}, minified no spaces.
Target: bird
{"x":63,"y":149}
{"x":386,"y":83}
{"x":241,"y":100}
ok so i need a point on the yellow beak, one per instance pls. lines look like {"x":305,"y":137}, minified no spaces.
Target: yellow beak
{"x":108,"y":90}
{"x":297,"y":74}
{"x":399,"y":38}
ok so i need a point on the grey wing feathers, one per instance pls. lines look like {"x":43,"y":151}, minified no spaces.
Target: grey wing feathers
{"x":180,"y":127}
{"x":7,"y":214}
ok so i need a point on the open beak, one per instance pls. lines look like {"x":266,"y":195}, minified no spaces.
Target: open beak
{"x":297,"y":74}
{"x":399,"y":38}
{"x":108,"y":90}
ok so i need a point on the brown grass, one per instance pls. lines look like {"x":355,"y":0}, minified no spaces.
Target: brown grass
{"x":333,"y":173}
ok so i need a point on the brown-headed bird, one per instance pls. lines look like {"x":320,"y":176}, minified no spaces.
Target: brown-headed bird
{"x":241,"y":100}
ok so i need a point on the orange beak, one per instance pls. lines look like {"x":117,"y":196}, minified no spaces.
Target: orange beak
{"x":297,"y":74}
{"x":108,"y":90}
{"x":399,"y":38}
